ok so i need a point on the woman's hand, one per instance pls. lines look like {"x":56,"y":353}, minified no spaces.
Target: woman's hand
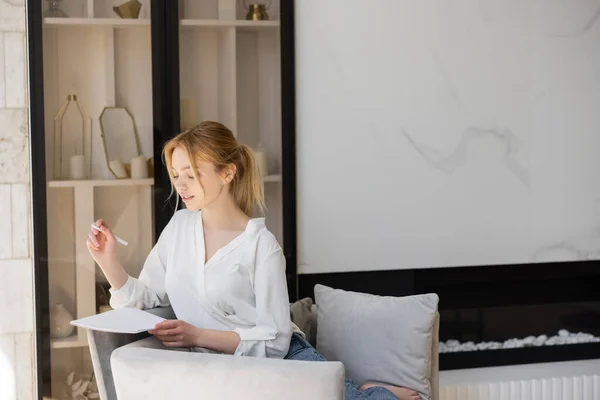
{"x":176,"y":333}
{"x":102,"y":245}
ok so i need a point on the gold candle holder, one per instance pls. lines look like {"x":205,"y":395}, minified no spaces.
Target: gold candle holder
{"x":257,"y":11}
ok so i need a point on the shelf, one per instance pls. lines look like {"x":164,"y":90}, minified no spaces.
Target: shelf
{"x":125,"y":182}
{"x":102,"y":182}
{"x":206,"y":23}
{"x":242,"y":24}
{"x":68,"y":342}
{"x":272,"y":178}
{"x":115,"y":22}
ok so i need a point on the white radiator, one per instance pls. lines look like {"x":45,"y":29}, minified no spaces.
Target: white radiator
{"x":563,"y":388}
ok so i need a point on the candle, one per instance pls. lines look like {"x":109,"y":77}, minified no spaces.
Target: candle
{"x":118,"y":169}
{"x":139,"y":167}
{"x":77,"y":167}
{"x":262,"y":162}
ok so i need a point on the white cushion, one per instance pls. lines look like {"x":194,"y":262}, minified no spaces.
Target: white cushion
{"x":378,"y":338}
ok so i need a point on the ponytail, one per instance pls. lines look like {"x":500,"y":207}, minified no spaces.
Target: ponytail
{"x":248,"y":190}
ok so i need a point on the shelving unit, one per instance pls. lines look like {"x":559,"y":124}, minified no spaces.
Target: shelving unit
{"x":106,"y":61}
{"x":229,"y":72}
{"x":84,"y":215}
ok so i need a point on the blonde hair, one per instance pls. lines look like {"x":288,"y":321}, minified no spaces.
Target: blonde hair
{"x":214,"y":142}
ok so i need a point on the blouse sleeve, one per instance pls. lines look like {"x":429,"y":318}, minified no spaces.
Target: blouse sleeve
{"x":272,"y":333}
{"x":147,"y":291}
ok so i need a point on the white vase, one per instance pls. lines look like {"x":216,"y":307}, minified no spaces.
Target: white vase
{"x":60,"y":319}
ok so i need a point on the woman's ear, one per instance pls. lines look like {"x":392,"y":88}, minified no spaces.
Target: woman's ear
{"x":228,"y":173}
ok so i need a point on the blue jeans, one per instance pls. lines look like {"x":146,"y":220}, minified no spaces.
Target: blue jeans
{"x":300,"y":349}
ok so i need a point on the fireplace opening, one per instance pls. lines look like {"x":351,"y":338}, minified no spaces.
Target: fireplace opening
{"x":495,"y":328}
{"x":495,"y":315}
{"x":516,"y":314}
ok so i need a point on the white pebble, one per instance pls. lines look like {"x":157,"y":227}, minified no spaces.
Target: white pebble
{"x":563,"y":337}
{"x":529,"y":339}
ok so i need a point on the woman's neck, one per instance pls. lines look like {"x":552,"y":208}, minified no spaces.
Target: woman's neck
{"x":224,"y":215}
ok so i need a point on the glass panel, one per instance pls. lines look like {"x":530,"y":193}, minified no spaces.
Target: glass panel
{"x":519,"y":326}
{"x":259,"y":110}
{"x":94,"y":73}
{"x":230,"y":73}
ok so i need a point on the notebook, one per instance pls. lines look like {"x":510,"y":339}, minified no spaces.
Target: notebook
{"x":122,"y":320}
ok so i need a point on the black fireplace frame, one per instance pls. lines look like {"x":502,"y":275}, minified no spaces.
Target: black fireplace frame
{"x":484,"y":286}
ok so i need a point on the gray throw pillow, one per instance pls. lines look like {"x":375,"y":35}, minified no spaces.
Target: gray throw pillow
{"x":378,"y":338}
{"x":303,"y":313}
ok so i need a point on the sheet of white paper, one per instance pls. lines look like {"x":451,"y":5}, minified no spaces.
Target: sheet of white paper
{"x":122,"y":320}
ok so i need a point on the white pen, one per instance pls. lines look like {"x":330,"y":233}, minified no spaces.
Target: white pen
{"x":118,"y":239}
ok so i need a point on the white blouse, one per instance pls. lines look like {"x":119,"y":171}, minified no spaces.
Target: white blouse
{"x":241,"y":288}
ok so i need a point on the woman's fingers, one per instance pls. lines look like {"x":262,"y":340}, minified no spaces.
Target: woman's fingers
{"x":99,"y":224}
{"x":174,"y":344}
{"x":167,"y":332}
{"x":104,"y":230}
{"x":91,"y":245}
{"x":93,"y":239}
{"x":169,"y":338}
{"x":108,"y":234}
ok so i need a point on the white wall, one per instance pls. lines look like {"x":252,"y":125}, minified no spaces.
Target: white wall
{"x":16,"y":267}
{"x":435,"y":134}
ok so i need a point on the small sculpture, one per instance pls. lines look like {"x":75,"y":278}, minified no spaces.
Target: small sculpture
{"x":82,"y":389}
{"x":130,"y":9}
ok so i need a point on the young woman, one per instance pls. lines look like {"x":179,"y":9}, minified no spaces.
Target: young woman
{"x":222,"y":271}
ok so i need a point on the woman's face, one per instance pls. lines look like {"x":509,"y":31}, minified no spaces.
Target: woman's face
{"x":197,"y":193}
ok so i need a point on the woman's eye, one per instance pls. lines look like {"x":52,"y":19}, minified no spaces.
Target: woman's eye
{"x":190,"y":177}
{"x":175,"y":176}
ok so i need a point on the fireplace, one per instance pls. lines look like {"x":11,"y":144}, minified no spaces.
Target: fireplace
{"x":497,"y":315}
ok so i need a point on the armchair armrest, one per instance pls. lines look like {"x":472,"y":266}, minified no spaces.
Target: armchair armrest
{"x":153,"y":374}
{"x":102,"y":345}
